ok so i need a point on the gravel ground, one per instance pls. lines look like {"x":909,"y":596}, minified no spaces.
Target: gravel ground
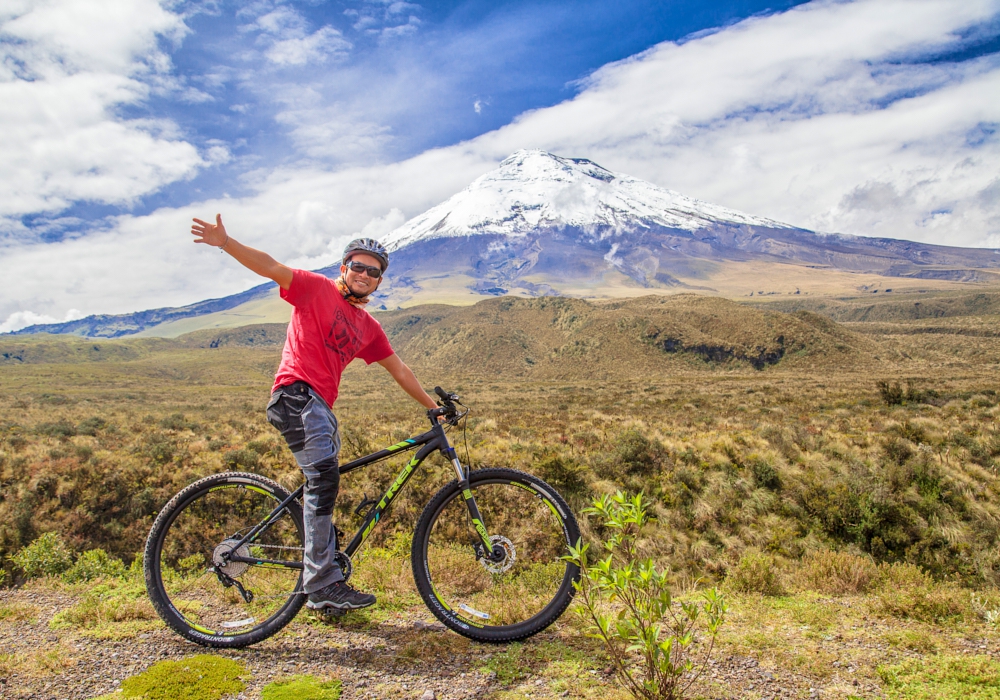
{"x":405,"y":655}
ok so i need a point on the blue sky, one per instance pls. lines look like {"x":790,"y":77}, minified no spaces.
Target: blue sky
{"x":308,"y":122}
{"x":407,"y":76}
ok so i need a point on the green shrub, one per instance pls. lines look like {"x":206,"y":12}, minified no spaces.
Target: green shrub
{"x":94,"y":564}
{"x":892,"y":394}
{"x":563,"y":473}
{"x":46,"y":556}
{"x":302,"y":688}
{"x":755,"y":572}
{"x":637,"y":454}
{"x":628,"y":605}
{"x":3,"y":576}
{"x":177,"y":421}
{"x":90,"y":426}
{"x":765,"y":476}
{"x":202,"y":677}
{"x":59,"y":429}
{"x":241,"y":459}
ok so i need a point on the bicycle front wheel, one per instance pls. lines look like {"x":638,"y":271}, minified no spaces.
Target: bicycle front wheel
{"x":496,"y":601}
{"x":196,"y":590}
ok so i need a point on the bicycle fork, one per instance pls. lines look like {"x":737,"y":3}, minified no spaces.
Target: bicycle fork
{"x":485,"y":547}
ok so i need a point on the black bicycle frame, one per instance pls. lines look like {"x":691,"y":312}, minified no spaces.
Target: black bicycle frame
{"x":433,"y":439}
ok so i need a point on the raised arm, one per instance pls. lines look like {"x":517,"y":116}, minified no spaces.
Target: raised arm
{"x":256,"y":260}
{"x":407,"y":380}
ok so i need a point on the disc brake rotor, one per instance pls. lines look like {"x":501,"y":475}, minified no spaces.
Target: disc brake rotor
{"x":510,"y":556}
{"x":232,"y":569}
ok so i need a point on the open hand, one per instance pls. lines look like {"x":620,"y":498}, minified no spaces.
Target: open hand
{"x":212,"y":234}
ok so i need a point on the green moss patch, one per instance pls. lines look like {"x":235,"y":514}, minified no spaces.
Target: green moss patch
{"x":202,"y":677}
{"x":302,"y":688}
{"x":943,"y":678}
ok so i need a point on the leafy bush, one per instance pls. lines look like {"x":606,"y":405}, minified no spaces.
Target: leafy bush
{"x":59,"y":429}
{"x":241,"y":459}
{"x":650,"y":638}
{"x":892,"y":394}
{"x":177,"y":421}
{"x":637,"y":454}
{"x":756,"y":572}
{"x":94,"y":564}
{"x":765,"y":476}
{"x":90,"y":426}
{"x":563,"y":473}
{"x":46,"y":556}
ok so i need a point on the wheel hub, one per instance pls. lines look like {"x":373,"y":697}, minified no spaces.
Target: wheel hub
{"x":509,"y":552}
{"x":232,"y":569}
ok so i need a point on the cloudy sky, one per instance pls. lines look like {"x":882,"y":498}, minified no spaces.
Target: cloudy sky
{"x":306,"y":122}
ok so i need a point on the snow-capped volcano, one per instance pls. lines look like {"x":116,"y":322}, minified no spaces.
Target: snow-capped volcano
{"x":533,"y":190}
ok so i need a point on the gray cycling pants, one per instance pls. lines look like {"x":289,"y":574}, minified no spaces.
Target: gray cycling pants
{"x":310,"y":429}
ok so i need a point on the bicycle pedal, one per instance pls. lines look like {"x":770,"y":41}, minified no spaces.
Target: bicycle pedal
{"x":329,"y":614}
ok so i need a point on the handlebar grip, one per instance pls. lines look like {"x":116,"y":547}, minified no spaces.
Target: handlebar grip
{"x":442,"y":393}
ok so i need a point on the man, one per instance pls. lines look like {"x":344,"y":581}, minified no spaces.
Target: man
{"x":329,"y":328}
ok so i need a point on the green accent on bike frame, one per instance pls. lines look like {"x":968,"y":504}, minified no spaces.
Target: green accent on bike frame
{"x":400,"y":445}
{"x":481,"y":529}
{"x":467,"y":494}
{"x":389,"y":496}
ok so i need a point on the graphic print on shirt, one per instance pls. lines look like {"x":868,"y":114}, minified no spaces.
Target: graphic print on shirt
{"x":343,"y":338}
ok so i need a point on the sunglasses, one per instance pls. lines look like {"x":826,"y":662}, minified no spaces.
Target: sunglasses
{"x":359,"y":267}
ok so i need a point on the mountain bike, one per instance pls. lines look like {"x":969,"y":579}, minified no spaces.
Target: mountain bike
{"x":223,"y":560}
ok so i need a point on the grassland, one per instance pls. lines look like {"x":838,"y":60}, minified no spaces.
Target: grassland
{"x":855,"y":528}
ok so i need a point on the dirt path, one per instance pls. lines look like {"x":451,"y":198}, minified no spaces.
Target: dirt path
{"x":384,"y":655}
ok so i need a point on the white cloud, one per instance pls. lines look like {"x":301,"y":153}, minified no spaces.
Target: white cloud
{"x":817,"y":116}
{"x":22,"y":319}
{"x":67,"y":66}
{"x":285,"y":34}
{"x":323,"y":44}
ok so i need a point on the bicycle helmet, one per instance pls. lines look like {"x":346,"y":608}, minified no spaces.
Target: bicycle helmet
{"x":369,"y":246}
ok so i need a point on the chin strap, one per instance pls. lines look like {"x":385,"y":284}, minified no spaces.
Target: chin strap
{"x":349,"y":296}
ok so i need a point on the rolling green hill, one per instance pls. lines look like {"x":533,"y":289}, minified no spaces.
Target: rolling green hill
{"x":549,"y":337}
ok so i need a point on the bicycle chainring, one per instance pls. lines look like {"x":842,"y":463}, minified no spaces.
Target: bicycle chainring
{"x":510,"y":556}
{"x":345,"y":563}
{"x":232,"y":569}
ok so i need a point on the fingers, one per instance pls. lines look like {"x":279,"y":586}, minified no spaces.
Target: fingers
{"x":218,"y":220}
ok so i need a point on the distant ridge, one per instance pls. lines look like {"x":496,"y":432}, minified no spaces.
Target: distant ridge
{"x":115,"y":326}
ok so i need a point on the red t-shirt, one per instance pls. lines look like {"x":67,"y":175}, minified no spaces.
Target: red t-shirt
{"x":325,"y":334}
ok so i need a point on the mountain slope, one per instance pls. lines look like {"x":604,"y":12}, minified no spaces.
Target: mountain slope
{"x":543,"y":225}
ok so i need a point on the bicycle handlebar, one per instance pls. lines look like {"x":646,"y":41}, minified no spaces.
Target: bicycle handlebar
{"x":446,"y":406}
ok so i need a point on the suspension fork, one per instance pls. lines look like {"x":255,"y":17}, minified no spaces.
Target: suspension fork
{"x":492,"y":553}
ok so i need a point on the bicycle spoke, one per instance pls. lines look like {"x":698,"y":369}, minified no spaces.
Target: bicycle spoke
{"x":204,"y":589}
{"x":486,"y":593}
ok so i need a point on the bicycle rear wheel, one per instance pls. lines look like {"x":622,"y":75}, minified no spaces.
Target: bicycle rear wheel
{"x":496,"y":601}
{"x":184,"y":546}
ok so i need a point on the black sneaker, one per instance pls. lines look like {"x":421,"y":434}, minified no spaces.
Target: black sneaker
{"x":340,"y":595}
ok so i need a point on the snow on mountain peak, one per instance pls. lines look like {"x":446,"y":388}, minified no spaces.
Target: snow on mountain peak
{"x":532,"y":190}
